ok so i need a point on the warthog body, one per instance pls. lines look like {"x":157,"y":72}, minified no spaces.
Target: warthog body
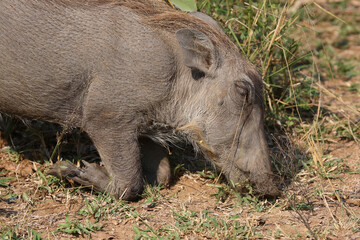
{"x":123,"y":70}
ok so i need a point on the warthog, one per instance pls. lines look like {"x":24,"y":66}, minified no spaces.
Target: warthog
{"x":129,"y":70}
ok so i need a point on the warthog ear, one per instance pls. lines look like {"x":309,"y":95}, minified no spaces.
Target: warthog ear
{"x":206,"y":18}
{"x":199,"y":53}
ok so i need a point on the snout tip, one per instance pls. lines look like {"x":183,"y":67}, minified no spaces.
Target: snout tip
{"x":265,"y":186}
{"x":268,"y":190}
{"x":262,"y":184}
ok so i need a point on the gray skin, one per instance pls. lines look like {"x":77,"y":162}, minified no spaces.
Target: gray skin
{"x":121,"y":75}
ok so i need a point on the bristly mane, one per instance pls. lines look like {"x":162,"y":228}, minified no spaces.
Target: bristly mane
{"x":158,"y":15}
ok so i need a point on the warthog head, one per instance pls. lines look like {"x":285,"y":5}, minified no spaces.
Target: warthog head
{"x":217,"y":101}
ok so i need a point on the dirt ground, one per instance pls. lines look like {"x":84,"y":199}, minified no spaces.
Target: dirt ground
{"x":183,"y":210}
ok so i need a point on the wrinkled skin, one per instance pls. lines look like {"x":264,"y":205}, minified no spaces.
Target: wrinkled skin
{"x":132,"y":76}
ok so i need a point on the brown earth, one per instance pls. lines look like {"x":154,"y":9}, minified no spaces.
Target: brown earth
{"x":299,"y":213}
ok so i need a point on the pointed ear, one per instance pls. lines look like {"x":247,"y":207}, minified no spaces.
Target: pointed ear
{"x":197,"y":49}
{"x":206,"y":18}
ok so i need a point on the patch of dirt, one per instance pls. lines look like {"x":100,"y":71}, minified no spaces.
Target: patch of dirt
{"x":44,"y":212}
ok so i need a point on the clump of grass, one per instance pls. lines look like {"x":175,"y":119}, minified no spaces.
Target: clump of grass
{"x":191,"y":223}
{"x":75,"y":227}
{"x":9,"y":234}
{"x":263,"y":31}
{"x":4,"y":180}
{"x":13,"y":235}
{"x":152,"y":195}
{"x":101,"y":206}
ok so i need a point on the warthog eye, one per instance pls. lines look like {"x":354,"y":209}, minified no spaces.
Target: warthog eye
{"x":242,"y":88}
{"x":197,"y":74}
{"x":243,"y":92}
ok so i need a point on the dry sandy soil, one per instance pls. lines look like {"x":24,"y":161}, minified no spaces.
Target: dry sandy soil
{"x":310,"y":207}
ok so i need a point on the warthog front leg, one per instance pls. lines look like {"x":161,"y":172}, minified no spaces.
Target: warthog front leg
{"x":155,"y":164}
{"x":121,"y":174}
